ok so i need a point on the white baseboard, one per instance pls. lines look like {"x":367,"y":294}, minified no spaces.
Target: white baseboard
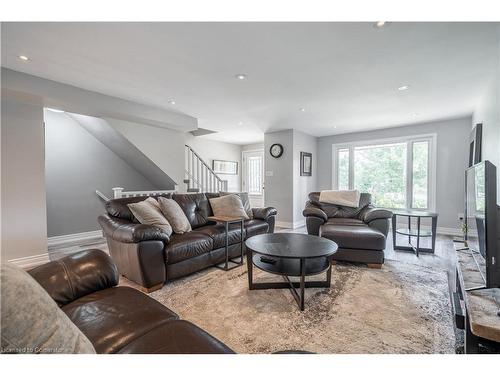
{"x":72,"y":239}
{"x":59,"y":246}
{"x":31,"y":261}
{"x":290,"y":225}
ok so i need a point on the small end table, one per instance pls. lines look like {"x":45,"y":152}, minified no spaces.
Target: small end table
{"x":226,"y":220}
{"x":418,"y":233}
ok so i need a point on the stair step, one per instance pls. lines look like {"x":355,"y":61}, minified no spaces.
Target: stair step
{"x":193,"y":190}
{"x":186,"y":181}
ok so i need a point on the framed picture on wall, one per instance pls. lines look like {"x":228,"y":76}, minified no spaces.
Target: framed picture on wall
{"x":225,"y":167}
{"x":305,"y":164}
{"x":475,"y":140}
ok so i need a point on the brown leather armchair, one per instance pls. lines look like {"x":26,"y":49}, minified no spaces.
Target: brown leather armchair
{"x":149,"y":257}
{"x":118,"y":319}
{"x":359,"y":232}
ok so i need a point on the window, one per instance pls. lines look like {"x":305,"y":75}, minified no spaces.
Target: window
{"x":399,"y":172}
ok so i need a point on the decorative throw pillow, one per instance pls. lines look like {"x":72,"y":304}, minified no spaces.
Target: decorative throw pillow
{"x":228,"y":205}
{"x":175,"y":216}
{"x":148,"y":212}
{"x":244,"y":200}
{"x":31,"y":320}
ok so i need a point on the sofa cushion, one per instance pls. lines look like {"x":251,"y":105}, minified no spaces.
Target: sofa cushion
{"x":176,"y":337}
{"x":31,"y":320}
{"x":218,"y":234}
{"x":228,"y":205}
{"x":118,"y":207}
{"x":344,"y":221}
{"x":255,"y":226}
{"x":148,"y":212}
{"x":354,"y":236}
{"x":114,"y":317}
{"x":195,"y":207}
{"x":187,"y":245}
{"x":175,"y":215}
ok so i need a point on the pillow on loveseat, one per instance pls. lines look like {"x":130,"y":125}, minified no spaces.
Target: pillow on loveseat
{"x":31,"y":320}
{"x":228,"y":205}
{"x":244,"y":200}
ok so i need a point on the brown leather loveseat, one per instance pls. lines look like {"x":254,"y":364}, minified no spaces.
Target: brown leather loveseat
{"x":149,"y":257}
{"x":118,"y":319}
{"x":359,"y":232}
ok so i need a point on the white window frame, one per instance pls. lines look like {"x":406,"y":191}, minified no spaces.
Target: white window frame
{"x":409,"y":140}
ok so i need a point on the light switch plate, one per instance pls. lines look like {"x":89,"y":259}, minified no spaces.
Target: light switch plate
{"x":269,"y":173}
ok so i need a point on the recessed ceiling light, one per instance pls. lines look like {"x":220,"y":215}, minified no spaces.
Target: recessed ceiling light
{"x":380,"y":24}
{"x":403,"y":88}
{"x":240,"y":123}
{"x":302,"y":110}
{"x":335,"y":126}
{"x":241,"y":76}
{"x":54,"y":110}
{"x":23,"y":57}
{"x":171,"y":101}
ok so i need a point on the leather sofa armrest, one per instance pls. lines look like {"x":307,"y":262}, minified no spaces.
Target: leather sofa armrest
{"x":371,"y":214}
{"x":125,"y":231}
{"x":76,"y":275}
{"x":264,"y":212}
{"x":315,"y":212}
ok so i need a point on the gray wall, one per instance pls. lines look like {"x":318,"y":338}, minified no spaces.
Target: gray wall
{"x":76,"y":164}
{"x":279,"y":186}
{"x":24,"y":225}
{"x":303,"y":185}
{"x":452,"y":156}
{"x":488,"y":113}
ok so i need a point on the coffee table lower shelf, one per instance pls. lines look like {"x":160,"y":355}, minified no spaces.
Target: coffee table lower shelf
{"x":290,"y":267}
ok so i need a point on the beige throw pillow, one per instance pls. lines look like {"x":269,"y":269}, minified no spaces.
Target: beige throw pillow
{"x":175,"y":216}
{"x":244,"y":200}
{"x":148,"y":212}
{"x":228,"y":205}
{"x":31,"y":320}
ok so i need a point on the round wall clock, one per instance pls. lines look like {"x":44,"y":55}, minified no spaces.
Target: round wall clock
{"x":276,"y":150}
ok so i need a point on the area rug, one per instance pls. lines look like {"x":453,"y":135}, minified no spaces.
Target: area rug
{"x":401,"y":308}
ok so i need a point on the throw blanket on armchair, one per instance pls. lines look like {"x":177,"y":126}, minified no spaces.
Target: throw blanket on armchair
{"x":348,"y":198}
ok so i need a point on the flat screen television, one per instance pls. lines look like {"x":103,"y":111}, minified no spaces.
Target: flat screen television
{"x":481,"y":220}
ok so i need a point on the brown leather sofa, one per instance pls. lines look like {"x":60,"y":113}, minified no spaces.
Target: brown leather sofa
{"x":149,"y":257}
{"x":359,"y":232}
{"x":118,"y":319}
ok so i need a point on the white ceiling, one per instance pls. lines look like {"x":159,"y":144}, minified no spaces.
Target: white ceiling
{"x":345,"y":75}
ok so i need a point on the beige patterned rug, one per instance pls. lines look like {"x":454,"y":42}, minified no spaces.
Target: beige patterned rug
{"x":402,"y":308}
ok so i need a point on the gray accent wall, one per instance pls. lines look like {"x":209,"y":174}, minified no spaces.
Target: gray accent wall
{"x":76,"y":164}
{"x":24,"y":220}
{"x":451,"y":159}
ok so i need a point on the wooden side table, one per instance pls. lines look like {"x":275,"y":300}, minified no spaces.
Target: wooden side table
{"x":226,"y":220}
{"x":418,"y":232}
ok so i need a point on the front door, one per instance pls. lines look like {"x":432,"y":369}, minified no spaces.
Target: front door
{"x":253,"y":176}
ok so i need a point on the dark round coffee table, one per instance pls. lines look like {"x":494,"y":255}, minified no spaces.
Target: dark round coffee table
{"x":290,"y":254}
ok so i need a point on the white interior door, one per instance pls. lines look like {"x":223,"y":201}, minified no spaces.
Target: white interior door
{"x":253,"y":176}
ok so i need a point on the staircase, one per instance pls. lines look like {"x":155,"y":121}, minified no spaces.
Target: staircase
{"x":199,"y":177}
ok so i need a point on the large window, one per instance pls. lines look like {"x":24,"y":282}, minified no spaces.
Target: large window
{"x":399,"y":172}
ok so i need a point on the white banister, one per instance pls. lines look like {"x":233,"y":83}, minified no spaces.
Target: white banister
{"x":199,"y":174}
{"x":118,"y":192}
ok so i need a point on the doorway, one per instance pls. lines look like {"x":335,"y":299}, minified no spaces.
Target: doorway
{"x":253,"y":176}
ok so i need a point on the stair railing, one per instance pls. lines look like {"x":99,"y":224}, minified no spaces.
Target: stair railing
{"x":199,"y":176}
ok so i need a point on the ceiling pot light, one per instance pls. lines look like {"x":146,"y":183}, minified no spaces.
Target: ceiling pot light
{"x":23,"y":57}
{"x":241,"y":76}
{"x":403,"y":88}
{"x":380,"y":24}
{"x":171,"y":101}
{"x":302,"y":110}
{"x":240,"y":123}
